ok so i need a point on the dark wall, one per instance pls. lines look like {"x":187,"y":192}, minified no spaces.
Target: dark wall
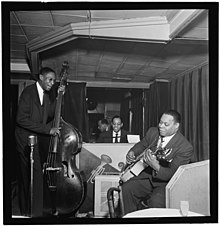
{"x":13,"y":111}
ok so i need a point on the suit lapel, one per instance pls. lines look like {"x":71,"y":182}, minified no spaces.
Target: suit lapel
{"x":45,"y":108}
{"x":111,"y":136}
{"x":36,"y":100}
{"x":173,"y":141}
{"x":154,"y":140}
{"x":122,"y":136}
{"x":36,"y":96}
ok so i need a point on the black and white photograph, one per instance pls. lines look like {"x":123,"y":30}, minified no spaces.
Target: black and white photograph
{"x":109,"y":112}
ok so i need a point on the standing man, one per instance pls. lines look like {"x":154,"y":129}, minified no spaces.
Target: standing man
{"x":33,"y":115}
{"x":116,"y":135}
{"x":151,"y":182}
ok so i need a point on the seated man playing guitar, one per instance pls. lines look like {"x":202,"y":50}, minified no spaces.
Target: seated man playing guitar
{"x":161,"y":152}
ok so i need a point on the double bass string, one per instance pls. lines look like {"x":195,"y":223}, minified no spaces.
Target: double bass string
{"x":50,"y":163}
{"x":53,"y":146}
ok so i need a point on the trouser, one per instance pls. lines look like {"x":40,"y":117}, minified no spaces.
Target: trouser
{"x":138,"y":188}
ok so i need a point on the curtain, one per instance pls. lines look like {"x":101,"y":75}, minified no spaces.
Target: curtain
{"x":132,"y":109}
{"x":74,"y":110}
{"x":124,"y":113}
{"x":159,"y":101}
{"x":137,"y":112}
{"x":190,"y":97}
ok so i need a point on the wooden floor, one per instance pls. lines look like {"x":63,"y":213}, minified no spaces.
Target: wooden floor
{"x":15,"y":205}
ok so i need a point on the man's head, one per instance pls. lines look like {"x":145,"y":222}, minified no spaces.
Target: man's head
{"x":169,"y":123}
{"x":117,"y":123}
{"x":103,"y":125}
{"x":46,"y":78}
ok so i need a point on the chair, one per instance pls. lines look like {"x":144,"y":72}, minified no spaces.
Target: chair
{"x":176,"y":191}
{"x":116,"y":209}
{"x":190,"y":183}
{"x":111,"y":202}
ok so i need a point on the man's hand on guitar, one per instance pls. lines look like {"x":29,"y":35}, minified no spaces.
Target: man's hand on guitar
{"x":151,"y":160}
{"x":130,"y":157}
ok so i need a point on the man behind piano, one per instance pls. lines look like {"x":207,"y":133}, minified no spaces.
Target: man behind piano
{"x":116,"y":134}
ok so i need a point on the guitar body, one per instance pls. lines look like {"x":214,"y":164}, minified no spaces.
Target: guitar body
{"x":133,"y":170}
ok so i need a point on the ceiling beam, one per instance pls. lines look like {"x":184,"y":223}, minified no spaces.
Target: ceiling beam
{"x":152,"y":29}
{"x":181,"y":20}
{"x":20,"y":67}
{"x":95,"y":84}
{"x":138,"y":29}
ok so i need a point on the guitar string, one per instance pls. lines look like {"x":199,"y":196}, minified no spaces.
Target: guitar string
{"x":150,"y":146}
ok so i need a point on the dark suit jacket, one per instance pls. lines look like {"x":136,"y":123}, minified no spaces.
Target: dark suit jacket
{"x":182,"y":152}
{"x":107,"y":137}
{"x":30,"y":115}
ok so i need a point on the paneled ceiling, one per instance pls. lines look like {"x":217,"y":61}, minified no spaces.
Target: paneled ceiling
{"x":130,"y":47}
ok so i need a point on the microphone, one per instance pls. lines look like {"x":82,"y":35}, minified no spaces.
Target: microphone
{"x":32,"y":140}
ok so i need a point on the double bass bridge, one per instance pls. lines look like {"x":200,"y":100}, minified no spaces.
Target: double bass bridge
{"x":53,"y":169}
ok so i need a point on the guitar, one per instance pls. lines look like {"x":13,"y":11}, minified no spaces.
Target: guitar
{"x":139,"y":165}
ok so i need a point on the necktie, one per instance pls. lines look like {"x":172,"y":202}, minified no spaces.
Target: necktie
{"x":116,"y":138}
{"x":161,"y":143}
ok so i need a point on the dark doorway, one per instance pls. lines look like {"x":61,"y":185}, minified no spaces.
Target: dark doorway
{"x":106,"y":102}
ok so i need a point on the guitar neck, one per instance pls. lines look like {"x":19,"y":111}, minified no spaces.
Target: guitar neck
{"x":140,"y":156}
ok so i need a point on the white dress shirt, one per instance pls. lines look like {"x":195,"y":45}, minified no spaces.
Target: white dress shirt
{"x":166,"y":140}
{"x":114,"y":135}
{"x":40,"y":93}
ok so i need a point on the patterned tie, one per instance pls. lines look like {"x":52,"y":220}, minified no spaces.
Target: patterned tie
{"x":116,"y":138}
{"x":161,"y":143}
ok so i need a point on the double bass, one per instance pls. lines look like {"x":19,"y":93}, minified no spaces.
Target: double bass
{"x":65,"y":185}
